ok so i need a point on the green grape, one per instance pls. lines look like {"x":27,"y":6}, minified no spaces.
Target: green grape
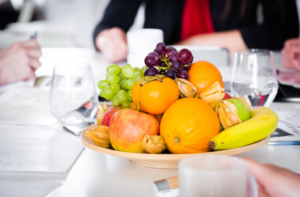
{"x":122,"y":83}
{"x":110,"y":98}
{"x":126,"y":65}
{"x":101,"y":94}
{"x":108,"y":93}
{"x":115,"y":101}
{"x":121,"y":95}
{"x":115,"y":87}
{"x":126,"y":104}
{"x":112,"y":78}
{"x":102,"y":84}
{"x":128,"y":71}
{"x":129,"y":96}
{"x":115,"y":69}
{"x":129,"y":84}
{"x":143,"y":69}
{"x":136,"y":69}
{"x":121,"y":75}
{"x":137,"y":75}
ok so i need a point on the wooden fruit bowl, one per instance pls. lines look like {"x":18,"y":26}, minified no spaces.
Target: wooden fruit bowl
{"x":165,"y":160}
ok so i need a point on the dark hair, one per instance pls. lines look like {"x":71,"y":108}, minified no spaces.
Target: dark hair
{"x":246,"y":7}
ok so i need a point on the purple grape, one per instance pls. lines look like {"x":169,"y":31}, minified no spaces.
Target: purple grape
{"x":151,"y":71}
{"x":171,"y":74}
{"x":161,"y":48}
{"x":176,"y":66}
{"x":171,"y":51}
{"x":183,"y":74}
{"x":157,"y":57}
{"x":152,"y":59}
{"x":184,"y":56}
{"x":187,"y":66}
{"x":162,"y":64}
{"x":173,"y":58}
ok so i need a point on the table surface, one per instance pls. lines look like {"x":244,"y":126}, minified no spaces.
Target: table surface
{"x":98,"y":174}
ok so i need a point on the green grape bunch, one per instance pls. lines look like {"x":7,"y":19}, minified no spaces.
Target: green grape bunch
{"x":119,"y":82}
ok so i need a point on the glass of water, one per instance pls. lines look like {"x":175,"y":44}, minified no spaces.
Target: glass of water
{"x":213,"y":176}
{"x":73,"y":99}
{"x":254,"y":77}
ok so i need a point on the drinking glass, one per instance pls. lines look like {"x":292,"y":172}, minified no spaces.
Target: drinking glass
{"x":254,"y":77}
{"x":213,"y":176}
{"x":73,"y":99}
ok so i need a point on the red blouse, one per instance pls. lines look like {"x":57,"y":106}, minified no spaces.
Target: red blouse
{"x":196,"y":19}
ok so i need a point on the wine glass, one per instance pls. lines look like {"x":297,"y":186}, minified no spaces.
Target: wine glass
{"x":73,"y":99}
{"x":254,"y":77}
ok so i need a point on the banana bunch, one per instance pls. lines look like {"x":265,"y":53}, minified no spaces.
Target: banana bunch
{"x":98,"y":134}
{"x":263,"y":122}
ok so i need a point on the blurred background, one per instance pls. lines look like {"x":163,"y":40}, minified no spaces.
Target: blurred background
{"x":59,"y":23}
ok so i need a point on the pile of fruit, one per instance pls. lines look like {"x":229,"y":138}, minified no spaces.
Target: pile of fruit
{"x":186,"y":112}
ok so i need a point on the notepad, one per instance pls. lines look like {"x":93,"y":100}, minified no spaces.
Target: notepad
{"x":37,"y":149}
{"x":26,"y":106}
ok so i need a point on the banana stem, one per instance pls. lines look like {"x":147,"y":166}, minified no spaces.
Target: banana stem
{"x":212,"y":145}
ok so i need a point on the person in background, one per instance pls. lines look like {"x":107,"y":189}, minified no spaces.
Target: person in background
{"x":233,"y":24}
{"x":274,"y":181}
{"x":290,"y":54}
{"x":19,"y":61}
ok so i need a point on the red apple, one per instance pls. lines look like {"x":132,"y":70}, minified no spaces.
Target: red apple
{"x":128,"y":128}
{"x":108,"y":115}
{"x":227,"y":96}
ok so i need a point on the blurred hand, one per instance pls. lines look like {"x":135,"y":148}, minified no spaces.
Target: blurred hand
{"x":19,"y":61}
{"x":274,"y":181}
{"x":291,"y":54}
{"x":113,"y":44}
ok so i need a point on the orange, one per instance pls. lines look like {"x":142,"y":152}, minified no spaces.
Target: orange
{"x":155,"y":96}
{"x":203,"y":74}
{"x":188,"y":125}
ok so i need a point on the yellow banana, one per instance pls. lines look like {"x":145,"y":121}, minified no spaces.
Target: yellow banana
{"x":262,"y":123}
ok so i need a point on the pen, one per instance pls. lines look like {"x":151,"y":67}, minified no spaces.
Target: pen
{"x":284,"y":143}
{"x":34,"y":35}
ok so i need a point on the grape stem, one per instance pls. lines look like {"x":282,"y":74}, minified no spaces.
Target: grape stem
{"x":166,"y":62}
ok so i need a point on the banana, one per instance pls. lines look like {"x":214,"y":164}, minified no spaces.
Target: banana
{"x":262,"y":123}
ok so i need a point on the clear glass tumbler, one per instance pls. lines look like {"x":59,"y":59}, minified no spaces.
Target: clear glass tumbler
{"x":73,"y":99}
{"x":213,"y":176}
{"x":254,"y":77}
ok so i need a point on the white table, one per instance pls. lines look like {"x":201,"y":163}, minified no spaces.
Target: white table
{"x":97,"y":174}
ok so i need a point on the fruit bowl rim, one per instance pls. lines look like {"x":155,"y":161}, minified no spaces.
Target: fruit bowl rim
{"x":168,"y":157}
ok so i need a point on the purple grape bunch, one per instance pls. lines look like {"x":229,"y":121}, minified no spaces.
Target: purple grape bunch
{"x":167,"y":61}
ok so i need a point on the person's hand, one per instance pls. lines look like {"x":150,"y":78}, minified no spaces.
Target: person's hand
{"x":274,"y":181}
{"x":19,"y":61}
{"x":291,"y":54}
{"x":112,"y":43}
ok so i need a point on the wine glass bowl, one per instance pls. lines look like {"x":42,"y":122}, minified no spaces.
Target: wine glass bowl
{"x":254,"y":77}
{"x":73,"y":98}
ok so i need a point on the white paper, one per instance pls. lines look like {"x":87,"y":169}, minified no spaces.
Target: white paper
{"x":36,"y":148}
{"x":26,"y":106}
{"x":13,"y":188}
{"x":289,"y":120}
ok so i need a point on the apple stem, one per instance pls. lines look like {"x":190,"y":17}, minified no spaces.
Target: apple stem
{"x":138,"y":106}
